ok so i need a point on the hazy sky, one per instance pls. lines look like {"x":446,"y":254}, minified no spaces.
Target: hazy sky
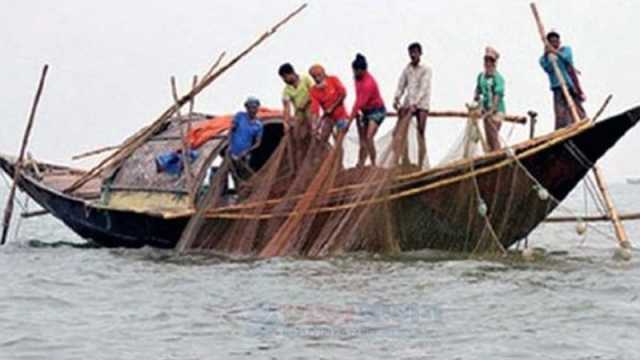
{"x":111,"y":60}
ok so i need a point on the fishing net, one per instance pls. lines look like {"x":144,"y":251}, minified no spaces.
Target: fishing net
{"x":472,"y":201}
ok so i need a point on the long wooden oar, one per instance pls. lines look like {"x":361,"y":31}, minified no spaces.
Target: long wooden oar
{"x":8,"y":211}
{"x":621,"y":234}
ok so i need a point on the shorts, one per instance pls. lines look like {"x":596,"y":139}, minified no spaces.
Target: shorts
{"x":376,"y":115}
{"x":341,"y":124}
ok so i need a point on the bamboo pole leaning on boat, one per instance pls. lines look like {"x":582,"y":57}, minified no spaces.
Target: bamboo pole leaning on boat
{"x":621,"y":234}
{"x":8,"y":211}
{"x":143,"y":135}
{"x":95,"y":152}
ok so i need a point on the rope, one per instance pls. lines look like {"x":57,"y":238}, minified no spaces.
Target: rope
{"x":448,"y":181}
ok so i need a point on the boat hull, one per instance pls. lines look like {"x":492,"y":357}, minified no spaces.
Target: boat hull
{"x":515,"y":205}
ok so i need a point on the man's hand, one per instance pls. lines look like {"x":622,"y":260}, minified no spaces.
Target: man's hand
{"x":413,"y":109}
{"x":548,"y":49}
{"x":396,"y":104}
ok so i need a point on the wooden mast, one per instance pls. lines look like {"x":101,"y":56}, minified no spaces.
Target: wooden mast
{"x":621,"y":234}
{"x":8,"y":211}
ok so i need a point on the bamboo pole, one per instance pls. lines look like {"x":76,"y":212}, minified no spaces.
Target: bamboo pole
{"x":143,"y":135}
{"x":621,"y":234}
{"x":186,"y":157}
{"x":563,"y":219}
{"x":95,"y":152}
{"x":432,"y":114}
{"x":603,"y":107}
{"x":192,"y":103}
{"x":554,"y":63}
{"x":465,"y":114}
{"x":533,"y":119}
{"x":8,"y":211}
{"x":31,"y":214}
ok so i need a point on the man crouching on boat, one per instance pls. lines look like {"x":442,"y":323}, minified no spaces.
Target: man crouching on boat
{"x":246,"y":136}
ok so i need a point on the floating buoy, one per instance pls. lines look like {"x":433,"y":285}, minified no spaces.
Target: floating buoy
{"x":543,"y":194}
{"x":581,"y":228}
{"x":482,"y":208}
{"x":528,"y":254}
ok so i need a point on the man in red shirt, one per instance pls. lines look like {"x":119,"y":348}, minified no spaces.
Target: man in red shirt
{"x":368,"y":109}
{"x":328,"y":94}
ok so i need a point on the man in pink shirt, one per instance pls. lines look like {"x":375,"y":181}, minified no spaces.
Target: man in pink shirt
{"x":368,"y":109}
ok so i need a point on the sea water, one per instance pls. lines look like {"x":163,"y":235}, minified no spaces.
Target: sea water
{"x":62,"y":299}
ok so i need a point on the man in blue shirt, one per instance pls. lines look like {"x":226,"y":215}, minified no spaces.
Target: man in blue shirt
{"x":565,"y":63}
{"x":246,"y":134}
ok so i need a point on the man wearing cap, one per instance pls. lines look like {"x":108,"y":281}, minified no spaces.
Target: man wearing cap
{"x":415,"y":86}
{"x":564,"y":57}
{"x":328,"y":94}
{"x":295,"y":96}
{"x":246,"y":135}
{"x":489,"y":93}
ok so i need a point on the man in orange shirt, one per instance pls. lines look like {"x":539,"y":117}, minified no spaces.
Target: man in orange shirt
{"x":328,"y":94}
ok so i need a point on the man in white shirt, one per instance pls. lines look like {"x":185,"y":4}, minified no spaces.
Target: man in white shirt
{"x":415,"y":86}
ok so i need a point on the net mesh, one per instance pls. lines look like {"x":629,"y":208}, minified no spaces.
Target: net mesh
{"x":323,"y":205}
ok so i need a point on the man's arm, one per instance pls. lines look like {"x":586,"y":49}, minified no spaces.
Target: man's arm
{"x":565,"y":55}
{"x":256,"y":144}
{"x":477,"y":91}
{"x":402,"y":85}
{"x":342,"y":94}
{"x":286,"y":105}
{"x":545,"y":63}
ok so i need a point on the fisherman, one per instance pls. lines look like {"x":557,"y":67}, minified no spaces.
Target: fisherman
{"x":328,"y":94}
{"x":368,"y":109}
{"x":564,"y":57}
{"x":246,"y":136}
{"x":489,"y":93}
{"x":295,"y":96}
{"x":415,"y":85}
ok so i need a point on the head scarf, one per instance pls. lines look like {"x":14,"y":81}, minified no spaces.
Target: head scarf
{"x":316,"y":70}
{"x":491,"y":53}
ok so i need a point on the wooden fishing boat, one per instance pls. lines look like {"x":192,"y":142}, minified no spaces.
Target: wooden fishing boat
{"x":134,"y":206}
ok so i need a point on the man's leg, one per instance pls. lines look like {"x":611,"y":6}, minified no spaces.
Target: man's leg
{"x":372,"y":129}
{"x":561,"y":110}
{"x":421,"y":115}
{"x":579,"y":108}
{"x":362,"y":138}
{"x":492,"y":126}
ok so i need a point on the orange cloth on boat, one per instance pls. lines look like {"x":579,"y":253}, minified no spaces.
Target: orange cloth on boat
{"x":209,"y":129}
